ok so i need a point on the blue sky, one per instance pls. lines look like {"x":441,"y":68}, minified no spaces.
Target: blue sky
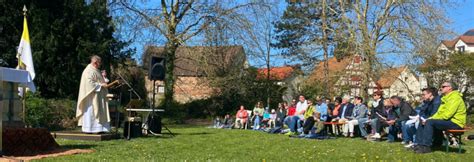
{"x":462,"y":17}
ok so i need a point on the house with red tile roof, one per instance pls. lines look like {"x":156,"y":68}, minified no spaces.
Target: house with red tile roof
{"x":463,"y":43}
{"x":287,"y":76}
{"x":345,"y":76}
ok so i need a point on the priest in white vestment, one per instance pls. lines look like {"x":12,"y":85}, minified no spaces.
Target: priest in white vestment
{"x":92,"y":107}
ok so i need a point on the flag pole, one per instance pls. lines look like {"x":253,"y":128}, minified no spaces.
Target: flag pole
{"x":23,"y":98}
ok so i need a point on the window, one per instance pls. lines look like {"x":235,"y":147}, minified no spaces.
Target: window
{"x":443,"y":53}
{"x":461,"y":48}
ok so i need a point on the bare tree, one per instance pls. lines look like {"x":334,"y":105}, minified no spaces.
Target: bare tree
{"x":256,"y":33}
{"x":177,"y":21}
{"x":376,"y":27}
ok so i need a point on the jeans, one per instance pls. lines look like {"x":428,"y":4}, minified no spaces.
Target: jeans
{"x":392,"y":133}
{"x":287,"y":120}
{"x":293,"y":123}
{"x":363,"y":131}
{"x":373,"y":124}
{"x":408,"y":131}
{"x":256,"y":123}
{"x":425,"y":136}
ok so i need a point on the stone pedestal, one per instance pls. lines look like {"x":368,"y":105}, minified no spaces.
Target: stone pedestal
{"x":11,"y":105}
{"x":27,"y":141}
{"x":11,"y":108}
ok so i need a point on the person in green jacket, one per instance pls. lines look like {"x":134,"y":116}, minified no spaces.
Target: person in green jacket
{"x":451,"y":114}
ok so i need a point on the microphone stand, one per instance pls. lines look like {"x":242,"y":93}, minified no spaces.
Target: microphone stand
{"x":130,"y":87}
{"x":130,"y":91}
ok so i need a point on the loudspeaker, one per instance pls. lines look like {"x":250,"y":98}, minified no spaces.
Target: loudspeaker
{"x":154,"y":123}
{"x":135,"y":129}
{"x":157,"y":68}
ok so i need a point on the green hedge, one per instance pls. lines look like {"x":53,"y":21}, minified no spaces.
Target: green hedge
{"x":53,"y":114}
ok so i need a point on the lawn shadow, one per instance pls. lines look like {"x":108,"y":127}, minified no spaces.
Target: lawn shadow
{"x":193,"y":134}
{"x":163,"y":136}
{"x":78,"y":146}
{"x":169,"y":136}
{"x":451,"y":150}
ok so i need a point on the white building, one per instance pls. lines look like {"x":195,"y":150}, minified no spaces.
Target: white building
{"x":463,"y":43}
{"x":401,"y":82}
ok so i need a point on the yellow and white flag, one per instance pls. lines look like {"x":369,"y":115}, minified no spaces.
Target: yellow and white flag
{"x":25,"y":59}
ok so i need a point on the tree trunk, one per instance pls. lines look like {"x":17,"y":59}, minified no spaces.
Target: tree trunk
{"x":325,"y":49}
{"x":370,"y":57}
{"x":170,"y":49}
{"x":268,"y":78}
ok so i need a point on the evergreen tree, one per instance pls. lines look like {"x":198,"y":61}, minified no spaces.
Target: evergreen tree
{"x":299,"y":32}
{"x":64,"y":34}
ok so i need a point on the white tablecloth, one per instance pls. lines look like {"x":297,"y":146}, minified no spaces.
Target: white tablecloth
{"x":17,"y":76}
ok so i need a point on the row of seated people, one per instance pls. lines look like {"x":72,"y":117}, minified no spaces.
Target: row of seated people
{"x":418,"y":129}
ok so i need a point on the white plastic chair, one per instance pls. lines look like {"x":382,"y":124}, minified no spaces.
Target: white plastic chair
{"x":249,"y":112}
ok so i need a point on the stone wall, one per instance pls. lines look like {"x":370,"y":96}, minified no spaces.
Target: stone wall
{"x":186,"y":89}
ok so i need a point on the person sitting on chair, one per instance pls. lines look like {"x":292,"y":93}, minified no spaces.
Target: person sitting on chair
{"x":257,"y":115}
{"x":241,"y":117}
{"x":273,"y":118}
{"x":386,"y":118}
{"x":360,"y":111}
{"x":266,"y":117}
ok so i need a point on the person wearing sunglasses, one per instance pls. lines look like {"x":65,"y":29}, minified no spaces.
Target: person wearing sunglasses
{"x":451,"y":114}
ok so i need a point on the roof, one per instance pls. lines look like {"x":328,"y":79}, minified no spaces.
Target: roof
{"x":450,"y":43}
{"x":335,"y":66}
{"x":276,"y":73}
{"x":200,"y":60}
{"x":467,"y":37}
{"x":390,"y":76}
{"x":469,"y":33}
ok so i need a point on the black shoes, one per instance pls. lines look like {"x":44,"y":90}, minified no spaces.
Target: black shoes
{"x":422,"y":149}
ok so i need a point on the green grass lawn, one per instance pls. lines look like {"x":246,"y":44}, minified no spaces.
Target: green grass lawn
{"x":203,"y":144}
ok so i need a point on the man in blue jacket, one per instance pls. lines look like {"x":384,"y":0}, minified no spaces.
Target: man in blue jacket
{"x":431,"y":102}
{"x":346,"y":108}
{"x":346,"y":111}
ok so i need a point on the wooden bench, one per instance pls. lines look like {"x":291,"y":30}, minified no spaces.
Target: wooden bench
{"x":337,"y":124}
{"x":457,"y":134}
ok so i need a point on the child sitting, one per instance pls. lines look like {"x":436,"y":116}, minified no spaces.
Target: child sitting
{"x":271,"y":121}
{"x":318,"y":126}
{"x":217,"y":122}
{"x":266,"y":117}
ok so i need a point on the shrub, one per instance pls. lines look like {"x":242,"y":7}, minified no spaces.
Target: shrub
{"x":53,"y":114}
{"x":37,"y":112}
